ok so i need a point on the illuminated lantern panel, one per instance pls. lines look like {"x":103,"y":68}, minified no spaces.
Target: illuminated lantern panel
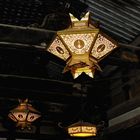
{"x":82,"y":46}
{"x":82,"y":129}
{"x":24,"y":114}
{"x":57,"y":48}
{"x":102,"y":46}
{"x":78,"y":43}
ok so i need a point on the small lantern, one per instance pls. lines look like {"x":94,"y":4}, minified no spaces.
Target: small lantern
{"x":24,"y":114}
{"x":82,"y":46}
{"x":82,"y":129}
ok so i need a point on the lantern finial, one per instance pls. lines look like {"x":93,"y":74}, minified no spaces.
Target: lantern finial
{"x":85,"y":18}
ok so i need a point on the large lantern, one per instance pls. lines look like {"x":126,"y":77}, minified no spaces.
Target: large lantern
{"x":82,"y":46}
{"x":24,"y":114}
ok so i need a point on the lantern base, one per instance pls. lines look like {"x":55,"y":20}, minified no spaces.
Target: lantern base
{"x":24,"y":125}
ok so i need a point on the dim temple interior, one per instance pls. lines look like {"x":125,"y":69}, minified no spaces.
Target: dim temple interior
{"x":39,"y":101}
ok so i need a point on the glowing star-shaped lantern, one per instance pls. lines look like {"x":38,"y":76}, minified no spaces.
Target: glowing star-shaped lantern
{"x":24,"y":114}
{"x":82,"y":46}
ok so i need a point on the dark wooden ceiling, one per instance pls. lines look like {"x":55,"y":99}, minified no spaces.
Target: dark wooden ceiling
{"x":120,"y":17}
{"x":28,"y":71}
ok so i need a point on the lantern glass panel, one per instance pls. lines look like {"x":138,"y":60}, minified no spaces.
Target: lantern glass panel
{"x":32,"y":117}
{"x":102,"y":47}
{"x":78,"y":43}
{"x":57,"y":48}
{"x":20,"y":116}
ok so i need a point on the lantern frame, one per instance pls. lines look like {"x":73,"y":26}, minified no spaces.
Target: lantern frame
{"x":24,"y":114}
{"x":82,"y":43}
{"x":82,"y":129}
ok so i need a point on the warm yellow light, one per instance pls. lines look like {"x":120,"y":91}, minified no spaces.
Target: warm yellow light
{"x":86,"y":70}
{"x":24,"y":114}
{"x":82,"y":135}
{"x":81,"y":43}
{"x":102,"y":46}
{"x":57,"y":48}
{"x":82,"y":129}
{"x":78,"y":43}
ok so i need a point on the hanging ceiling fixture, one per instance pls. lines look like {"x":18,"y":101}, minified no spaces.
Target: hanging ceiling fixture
{"x":82,"y":129}
{"x":24,"y":114}
{"x":82,"y":46}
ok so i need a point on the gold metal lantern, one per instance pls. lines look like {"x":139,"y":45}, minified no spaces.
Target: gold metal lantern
{"x":82,"y":129}
{"x":82,"y":46}
{"x":24,"y":114}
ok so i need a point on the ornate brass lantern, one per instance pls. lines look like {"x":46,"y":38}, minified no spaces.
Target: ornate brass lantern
{"x":82,"y":129}
{"x":82,"y":46}
{"x":24,"y":114}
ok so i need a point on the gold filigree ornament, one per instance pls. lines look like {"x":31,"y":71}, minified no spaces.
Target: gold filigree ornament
{"x":82,"y":46}
{"x":82,"y":129}
{"x":24,"y":114}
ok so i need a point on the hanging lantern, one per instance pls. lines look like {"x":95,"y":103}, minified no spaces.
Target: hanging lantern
{"x":24,"y":114}
{"x":82,"y":46}
{"x":82,"y":129}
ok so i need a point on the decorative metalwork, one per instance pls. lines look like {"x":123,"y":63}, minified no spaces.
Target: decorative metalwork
{"x":102,"y":46}
{"x":78,"y":43}
{"x":24,"y":114}
{"x":82,"y":46}
{"x":57,"y":48}
{"x":82,"y":129}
